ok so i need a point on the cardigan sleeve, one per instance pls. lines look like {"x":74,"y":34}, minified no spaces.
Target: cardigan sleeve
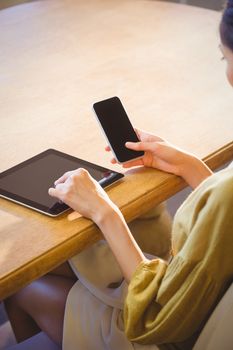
{"x":169,"y":303}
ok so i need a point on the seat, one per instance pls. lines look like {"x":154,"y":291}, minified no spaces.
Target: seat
{"x":218,"y":331}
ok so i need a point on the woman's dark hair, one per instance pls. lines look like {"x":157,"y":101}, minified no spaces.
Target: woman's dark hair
{"x":226,"y":25}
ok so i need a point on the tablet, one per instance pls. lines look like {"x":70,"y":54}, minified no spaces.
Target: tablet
{"x":28,"y":182}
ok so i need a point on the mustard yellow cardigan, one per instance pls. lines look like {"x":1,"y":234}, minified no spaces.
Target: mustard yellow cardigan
{"x":169,"y":303}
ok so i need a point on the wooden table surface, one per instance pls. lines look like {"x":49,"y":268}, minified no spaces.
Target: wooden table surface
{"x":57,"y":58}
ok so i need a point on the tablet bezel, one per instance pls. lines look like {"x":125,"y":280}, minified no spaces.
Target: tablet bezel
{"x":58,"y":208}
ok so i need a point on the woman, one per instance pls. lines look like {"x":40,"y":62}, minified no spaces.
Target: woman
{"x":165,"y":305}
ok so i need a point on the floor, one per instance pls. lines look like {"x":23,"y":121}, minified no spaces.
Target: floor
{"x":6,"y":335}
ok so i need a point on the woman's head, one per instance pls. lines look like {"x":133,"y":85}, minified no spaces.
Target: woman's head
{"x":226,"y":35}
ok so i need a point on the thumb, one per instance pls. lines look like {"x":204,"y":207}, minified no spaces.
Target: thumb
{"x":141,"y":146}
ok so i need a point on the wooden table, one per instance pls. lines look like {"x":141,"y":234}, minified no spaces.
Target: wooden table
{"x":58,"y":57}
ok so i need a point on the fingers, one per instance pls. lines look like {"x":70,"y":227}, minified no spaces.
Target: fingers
{"x":132,"y":145}
{"x":64,"y":182}
{"x":59,"y":191}
{"x":141,"y":146}
{"x":63,"y":178}
{"x":54,"y":192}
{"x":113,"y":161}
{"x":146,"y":136}
{"x":129,"y":164}
{"x":136,"y":162}
{"x":69,"y":174}
{"x":107,"y":148}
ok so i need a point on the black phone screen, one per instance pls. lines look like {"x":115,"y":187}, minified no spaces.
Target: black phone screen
{"x":117,"y":128}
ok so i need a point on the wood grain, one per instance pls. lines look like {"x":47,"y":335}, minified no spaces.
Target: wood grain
{"x":57,"y":58}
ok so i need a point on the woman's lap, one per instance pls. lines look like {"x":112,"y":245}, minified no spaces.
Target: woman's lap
{"x":94,"y":319}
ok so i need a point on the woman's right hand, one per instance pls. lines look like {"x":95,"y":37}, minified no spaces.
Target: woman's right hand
{"x":162,"y":155}
{"x":158,"y":154}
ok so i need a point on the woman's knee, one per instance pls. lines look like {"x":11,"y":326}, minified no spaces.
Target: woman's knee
{"x":44,"y":301}
{"x":64,"y":270}
{"x":47,"y":293}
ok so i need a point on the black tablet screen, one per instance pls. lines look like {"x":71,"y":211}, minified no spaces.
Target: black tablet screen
{"x":30,"y":180}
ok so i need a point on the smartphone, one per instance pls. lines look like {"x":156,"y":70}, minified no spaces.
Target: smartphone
{"x":117,"y":128}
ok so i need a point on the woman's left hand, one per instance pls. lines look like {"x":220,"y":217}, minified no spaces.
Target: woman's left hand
{"x":82,"y":193}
